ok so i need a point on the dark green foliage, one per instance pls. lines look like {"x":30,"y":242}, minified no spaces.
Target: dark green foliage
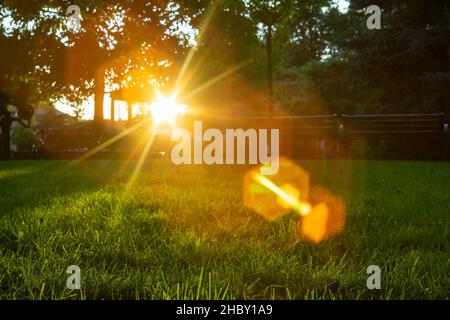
{"x":402,"y":68}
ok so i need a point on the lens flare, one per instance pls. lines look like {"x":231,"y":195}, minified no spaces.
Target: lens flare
{"x":288,"y":196}
{"x":321,"y":214}
{"x":326,"y":219}
{"x":264,"y":195}
{"x":314,"y":226}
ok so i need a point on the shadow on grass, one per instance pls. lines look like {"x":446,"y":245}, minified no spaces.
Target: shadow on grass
{"x":29,"y":184}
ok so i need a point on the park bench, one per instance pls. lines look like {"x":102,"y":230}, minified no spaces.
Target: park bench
{"x":433,"y":127}
{"x":300,"y":136}
{"x":307,"y":136}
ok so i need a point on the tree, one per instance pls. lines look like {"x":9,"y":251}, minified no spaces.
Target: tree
{"x":303,"y":42}
{"x":305,"y":35}
{"x":405,"y":66}
{"x":402,"y":68}
{"x":270,"y":13}
{"x":227,"y":44}
{"x":120,"y":43}
{"x":16,"y":87}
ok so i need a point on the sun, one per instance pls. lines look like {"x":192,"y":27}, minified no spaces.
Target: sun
{"x":166,"y":109}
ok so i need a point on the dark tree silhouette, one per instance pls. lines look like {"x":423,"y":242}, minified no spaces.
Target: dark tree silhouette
{"x":270,"y":13}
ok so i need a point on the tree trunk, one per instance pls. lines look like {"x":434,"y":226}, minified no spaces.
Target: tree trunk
{"x":99,"y":93}
{"x":5,"y":125}
{"x":269,"y":70}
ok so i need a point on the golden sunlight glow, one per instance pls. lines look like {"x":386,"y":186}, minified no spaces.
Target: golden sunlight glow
{"x":166,"y":109}
{"x":150,"y":138}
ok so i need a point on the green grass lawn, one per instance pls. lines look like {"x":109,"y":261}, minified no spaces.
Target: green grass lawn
{"x":182,"y":232}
